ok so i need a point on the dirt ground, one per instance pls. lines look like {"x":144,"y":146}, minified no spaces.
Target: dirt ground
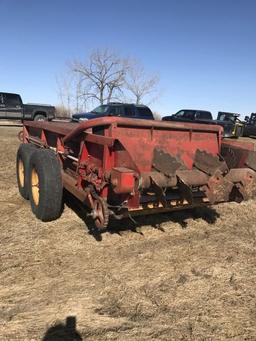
{"x":179,"y":276}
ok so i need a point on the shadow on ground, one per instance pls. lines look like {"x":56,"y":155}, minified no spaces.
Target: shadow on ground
{"x":208,"y":214}
{"x":63,"y":332}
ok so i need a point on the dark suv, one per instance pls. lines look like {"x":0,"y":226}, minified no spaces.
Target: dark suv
{"x":116,"y":109}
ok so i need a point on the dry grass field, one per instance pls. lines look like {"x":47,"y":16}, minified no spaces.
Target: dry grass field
{"x":179,"y":276}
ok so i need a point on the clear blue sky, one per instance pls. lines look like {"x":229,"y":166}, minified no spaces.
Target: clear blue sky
{"x":204,"y":51}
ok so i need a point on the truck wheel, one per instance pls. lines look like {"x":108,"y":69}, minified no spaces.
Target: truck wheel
{"x":40,"y":117}
{"x":24,"y":154}
{"x":45,"y":185}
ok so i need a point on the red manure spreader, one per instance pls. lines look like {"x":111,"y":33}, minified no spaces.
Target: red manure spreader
{"x":120,"y":167}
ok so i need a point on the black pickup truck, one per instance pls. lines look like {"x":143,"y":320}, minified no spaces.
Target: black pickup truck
{"x":12,"y":107}
{"x":231,"y":127}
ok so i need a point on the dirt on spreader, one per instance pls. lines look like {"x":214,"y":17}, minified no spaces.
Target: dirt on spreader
{"x":181,"y":276}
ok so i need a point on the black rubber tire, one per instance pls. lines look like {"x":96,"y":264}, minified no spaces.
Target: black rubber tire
{"x":40,"y":117}
{"x":24,"y":154}
{"x":47,"y":167}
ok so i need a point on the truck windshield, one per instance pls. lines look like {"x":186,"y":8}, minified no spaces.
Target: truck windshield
{"x":223,"y":116}
{"x":179,"y":113}
{"x":188,"y":114}
{"x":100,"y":110}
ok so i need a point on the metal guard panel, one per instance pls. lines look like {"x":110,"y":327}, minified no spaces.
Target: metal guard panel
{"x":71,"y":129}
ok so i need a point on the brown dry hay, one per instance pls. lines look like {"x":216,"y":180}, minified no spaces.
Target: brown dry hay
{"x":182,"y":276}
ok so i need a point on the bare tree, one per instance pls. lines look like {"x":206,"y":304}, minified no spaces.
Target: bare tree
{"x":80,"y":100}
{"x":140,"y":84}
{"x":65,"y":88}
{"x":62,"y":111}
{"x":105,"y":77}
{"x":70,"y":92}
{"x":102,"y":76}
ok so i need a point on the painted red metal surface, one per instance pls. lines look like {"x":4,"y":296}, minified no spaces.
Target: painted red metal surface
{"x":139,"y":165}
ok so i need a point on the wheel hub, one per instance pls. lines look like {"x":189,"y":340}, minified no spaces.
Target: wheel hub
{"x":21,"y":173}
{"x":100,"y":213}
{"x":35,"y":186}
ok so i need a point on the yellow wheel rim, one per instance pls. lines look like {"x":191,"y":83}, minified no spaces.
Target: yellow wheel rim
{"x":35,"y":186}
{"x":21,"y":173}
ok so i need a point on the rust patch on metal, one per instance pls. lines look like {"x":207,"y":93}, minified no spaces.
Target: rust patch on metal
{"x":251,"y":160}
{"x":232,"y":156}
{"x":158,"y":190}
{"x":218,"y":188}
{"x":209,"y":163}
{"x":165,"y":163}
{"x":244,"y":180}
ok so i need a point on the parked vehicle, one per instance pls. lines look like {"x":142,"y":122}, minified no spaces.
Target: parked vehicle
{"x":189,"y":115}
{"x":231,"y":128}
{"x":12,"y":107}
{"x":235,"y":125}
{"x":118,"y":167}
{"x":250,"y":125}
{"x":116,"y":109}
